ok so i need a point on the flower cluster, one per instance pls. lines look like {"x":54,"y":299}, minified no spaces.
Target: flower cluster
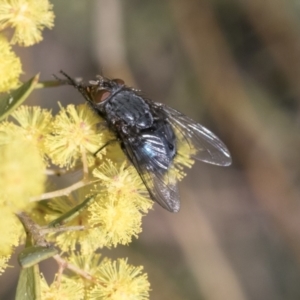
{"x":22,"y":176}
{"x":103,"y":209}
{"x":119,"y":207}
{"x":10,"y":66}
{"x":109,"y":204}
{"x":120,"y":197}
{"x":75,"y":132}
{"x":118,"y":280}
{"x":111,"y":280}
{"x":26,"y":19}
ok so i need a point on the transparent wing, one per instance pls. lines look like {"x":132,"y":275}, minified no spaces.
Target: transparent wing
{"x":209,"y":148}
{"x":149,"y":162}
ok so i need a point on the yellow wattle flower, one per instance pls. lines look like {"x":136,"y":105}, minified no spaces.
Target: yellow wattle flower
{"x":120,"y":204}
{"x":22,"y":174}
{"x":118,"y":280}
{"x":28,"y":18}
{"x":66,"y":288}
{"x":35,"y":124}
{"x":10,"y":66}
{"x":75,"y":129}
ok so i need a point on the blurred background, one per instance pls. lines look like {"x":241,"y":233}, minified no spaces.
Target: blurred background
{"x":233,"y":66}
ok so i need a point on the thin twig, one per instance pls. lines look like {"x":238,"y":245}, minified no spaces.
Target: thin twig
{"x":84,"y":163}
{"x":49,"y":83}
{"x":63,"y":264}
{"x":60,"y":172}
{"x":63,"y":192}
{"x":61,"y":229}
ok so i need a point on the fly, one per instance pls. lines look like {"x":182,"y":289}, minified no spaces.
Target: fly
{"x":149,"y":133}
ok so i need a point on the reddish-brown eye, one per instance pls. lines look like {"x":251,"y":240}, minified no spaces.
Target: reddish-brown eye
{"x":119,"y":81}
{"x":102,"y":95}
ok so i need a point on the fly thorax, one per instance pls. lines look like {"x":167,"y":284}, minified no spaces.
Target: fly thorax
{"x":130,"y":108}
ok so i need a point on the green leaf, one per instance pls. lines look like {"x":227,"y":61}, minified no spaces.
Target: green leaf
{"x":8,"y":103}
{"x":29,"y":285}
{"x":31,"y":256}
{"x":72,"y":213}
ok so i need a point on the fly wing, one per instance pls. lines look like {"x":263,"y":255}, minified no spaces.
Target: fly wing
{"x":209,"y":148}
{"x":154,"y":167}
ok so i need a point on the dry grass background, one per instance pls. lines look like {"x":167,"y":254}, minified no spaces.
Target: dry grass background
{"x":233,"y":66}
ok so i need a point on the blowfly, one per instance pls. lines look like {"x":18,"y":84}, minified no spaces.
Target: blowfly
{"x":149,"y":133}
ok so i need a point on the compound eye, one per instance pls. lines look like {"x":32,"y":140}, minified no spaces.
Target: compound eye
{"x":119,"y":81}
{"x":102,"y":95}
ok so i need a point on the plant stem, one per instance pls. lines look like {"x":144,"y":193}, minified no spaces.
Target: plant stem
{"x":61,"y":229}
{"x":48,"y":83}
{"x":63,"y":192}
{"x":32,"y":229}
{"x":63,"y":264}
